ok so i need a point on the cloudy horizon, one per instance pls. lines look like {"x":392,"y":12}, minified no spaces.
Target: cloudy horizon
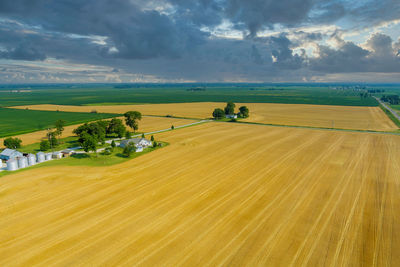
{"x":74,"y":41}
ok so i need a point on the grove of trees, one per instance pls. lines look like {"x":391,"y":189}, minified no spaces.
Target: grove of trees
{"x":230,"y":110}
{"x":392,"y":99}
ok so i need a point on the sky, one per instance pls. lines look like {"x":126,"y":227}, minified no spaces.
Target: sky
{"x":86,"y":41}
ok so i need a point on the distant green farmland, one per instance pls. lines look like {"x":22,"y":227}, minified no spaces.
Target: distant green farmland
{"x":179,"y":93}
{"x":19,"y":121}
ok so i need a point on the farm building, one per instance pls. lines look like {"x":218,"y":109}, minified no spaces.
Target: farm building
{"x":139,"y":149}
{"x":57,"y":155}
{"x":67,"y":152}
{"x":7,"y":154}
{"x":231,"y":116}
{"x":138,"y":142}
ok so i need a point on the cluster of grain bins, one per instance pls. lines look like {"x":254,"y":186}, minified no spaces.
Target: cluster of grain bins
{"x":16,"y":160}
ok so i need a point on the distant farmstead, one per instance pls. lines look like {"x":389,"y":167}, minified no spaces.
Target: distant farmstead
{"x":231,"y":116}
{"x":137,"y":142}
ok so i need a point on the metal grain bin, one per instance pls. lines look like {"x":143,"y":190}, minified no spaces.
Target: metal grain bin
{"x":22,"y":162}
{"x":31,"y":159}
{"x":40,"y":157}
{"x":12,"y":165}
{"x":48,"y":156}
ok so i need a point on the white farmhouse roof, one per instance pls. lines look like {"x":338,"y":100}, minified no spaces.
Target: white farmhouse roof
{"x":135,"y":141}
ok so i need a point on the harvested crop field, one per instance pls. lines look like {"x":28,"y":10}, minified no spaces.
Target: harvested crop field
{"x":147,"y":124}
{"x":343,"y":117}
{"x":219,"y":194}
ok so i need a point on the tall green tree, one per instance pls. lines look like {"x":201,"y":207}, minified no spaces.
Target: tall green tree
{"x":218,"y":113}
{"x":128,"y":150}
{"x":89,"y":143}
{"x":95,"y":129}
{"x":44,"y":145}
{"x":132,"y":118}
{"x":230,"y":108}
{"x":244,"y":111}
{"x":52,"y":138}
{"x":117,"y":127}
{"x":12,"y":143}
{"x":59,"y":127}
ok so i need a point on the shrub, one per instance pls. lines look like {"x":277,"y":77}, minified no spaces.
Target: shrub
{"x":44,"y":145}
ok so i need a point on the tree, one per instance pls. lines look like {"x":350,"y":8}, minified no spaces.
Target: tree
{"x":116,"y":127}
{"x":230,"y":108}
{"x":12,"y":143}
{"x":142,"y":135}
{"x":89,"y":143}
{"x":152,"y":138}
{"x":218,"y":113}
{"x":128,"y":135}
{"x":51,"y":137}
{"x":59,"y":127}
{"x":96,"y":129}
{"x":113,"y":145}
{"x":128,"y":150}
{"x":132,"y":118}
{"x":244,"y":111}
{"x":44,"y":145}
{"x":154,"y":144}
{"x":172,"y":127}
{"x":108,"y":150}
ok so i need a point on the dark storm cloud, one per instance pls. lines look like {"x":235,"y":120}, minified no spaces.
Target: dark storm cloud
{"x":170,"y":38}
{"x":23,"y":52}
{"x":381,"y":56}
{"x":135,"y":33}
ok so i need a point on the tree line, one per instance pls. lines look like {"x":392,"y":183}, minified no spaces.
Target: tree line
{"x":392,"y":99}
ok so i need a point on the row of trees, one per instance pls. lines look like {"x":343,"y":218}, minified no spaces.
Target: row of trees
{"x":392,"y":99}
{"x":230,"y":110}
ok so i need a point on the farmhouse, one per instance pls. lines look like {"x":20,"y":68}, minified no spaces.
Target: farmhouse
{"x":7,"y":154}
{"x":138,"y":142}
{"x":231,"y":116}
{"x":57,"y":155}
{"x":67,"y":152}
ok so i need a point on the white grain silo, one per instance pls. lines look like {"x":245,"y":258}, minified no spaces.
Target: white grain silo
{"x":12,"y":165}
{"x":22,"y":162}
{"x":31,"y":159}
{"x":49,"y":156}
{"x":40,"y":157}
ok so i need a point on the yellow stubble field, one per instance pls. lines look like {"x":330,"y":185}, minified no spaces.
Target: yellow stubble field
{"x":343,"y":117}
{"x":219,"y":194}
{"x":147,"y":124}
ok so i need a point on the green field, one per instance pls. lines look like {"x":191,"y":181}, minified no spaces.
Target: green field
{"x":178,"y":93}
{"x":19,"y":121}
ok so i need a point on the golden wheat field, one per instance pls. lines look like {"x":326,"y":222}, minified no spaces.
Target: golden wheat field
{"x":147,"y":124}
{"x":220,"y":194}
{"x":358,"y":118}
